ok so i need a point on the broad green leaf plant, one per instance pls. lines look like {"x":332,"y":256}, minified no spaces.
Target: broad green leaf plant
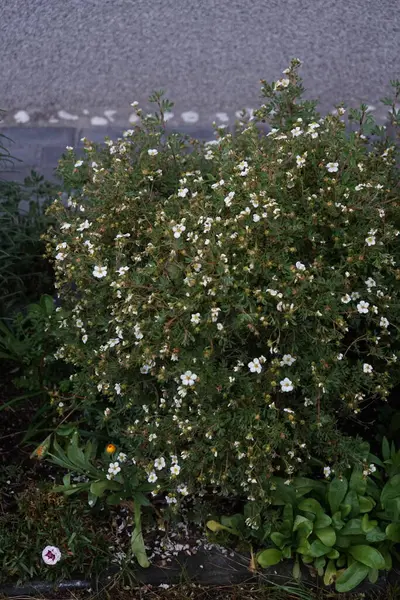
{"x":346,"y":529}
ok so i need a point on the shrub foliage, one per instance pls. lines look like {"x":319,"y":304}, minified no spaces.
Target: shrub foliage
{"x":228,"y":307}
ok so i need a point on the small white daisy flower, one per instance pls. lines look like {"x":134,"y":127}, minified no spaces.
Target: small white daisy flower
{"x":286,"y":385}
{"x":255,"y":366}
{"x":287,"y":360}
{"x":100,"y":272}
{"x":332,"y":167}
{"x":367,"y":368}
{"x":370,"y":240}
{"x":362,"y":307}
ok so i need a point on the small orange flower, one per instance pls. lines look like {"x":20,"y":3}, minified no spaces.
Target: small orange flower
{"x":40,"y":451}
{"x":110,"y":448}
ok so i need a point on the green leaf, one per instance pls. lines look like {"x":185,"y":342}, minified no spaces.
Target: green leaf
{"x":137,"y":542}
{"x":279,"y":539}
{"x":214,"y":526}
{"x":391,"y":490}
{"x":304,"y":525}
{"x":97,"y":488}
{"x":287,"y":552}
{"x":330,"y":573}
{"x":327,"y":536}
{"x":319,"y":549}
{"x":310,"y":505}
{"x":373,"y":575}
{"x":337,"y":521}
{"x":322,"y":520}
{"x":304,"y":548}
{"x":388,"y":559}
{"x":367,"y":525}
{"x":296,"y":570}
{"x":393,"y":532}
{"x":385,"y":449}
{"x":366,"y":504}
{"x":367,"y":555}
{"x":351,"y":577}
{"x":337,"y":490}
{"x":376,"y":535}
{"x":304,"y":485}
{"x":270,"y":557}
{"x":345,"y":510}
{"x":358,"y":483}
{"x":352,"y":500}
{"x":334,"y":554}
{"x":373,"y":490}
{"x":352,"y":527}
{"x":140,"y":499}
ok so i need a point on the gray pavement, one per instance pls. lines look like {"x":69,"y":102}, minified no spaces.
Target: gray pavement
{"x":72,"y":68}
{"x":209,"y":55}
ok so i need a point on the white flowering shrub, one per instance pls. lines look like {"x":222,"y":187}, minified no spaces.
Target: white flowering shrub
{"x":230,"y":308}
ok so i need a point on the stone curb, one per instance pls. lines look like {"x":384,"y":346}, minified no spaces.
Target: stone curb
{"x":206,"y":568}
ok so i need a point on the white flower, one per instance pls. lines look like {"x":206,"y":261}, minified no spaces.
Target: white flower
{"x":256,"y":218}
{"x":281,"y":84}
{"x":332,"y":167}
{"x":51,"y":555}
{"x":182,"y":489}
{"x":384,"y":322}
{"x":255,"y":366}
{"x":339,"y":356}
{"x":107,"y":412}
{"x":152,"y":152}
{"x":195,"y":318}
{"x":60,"y":256}
{"x":65,"y":226}
{"x":117,"y":388}
{"x":220,"y":326}
{"x":287,"y":359}
{"x":327,"y":471}
{"x":78,"y":163}
{"x":178,"y":230}
{"x":300,"y":161}
{"x":183,"y":192}
{"x":188,"y":378}
{"x":122,"y":457}
{"x":300,"y":266}
{"x":122,"y":270}
{"x":286,"y":385}
{"x":345,"y":299}
{"x":367,"y":368}
{"x":228,"y":199}
{"x":114,"y":468}
{"x":370,"y":282}
{"x":100,"y":272}
{"x":370,"y":240}
{"x":152,"y":436}
{"x":84,"y":338}
{"x":296,"y":131}
{"x":214,"y":314}
{"x":152,"y":478}
{"x":362,"y":307}
{"x":84,"y":225}
{"x":159,"y":463}
{"x":175,"y":469}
